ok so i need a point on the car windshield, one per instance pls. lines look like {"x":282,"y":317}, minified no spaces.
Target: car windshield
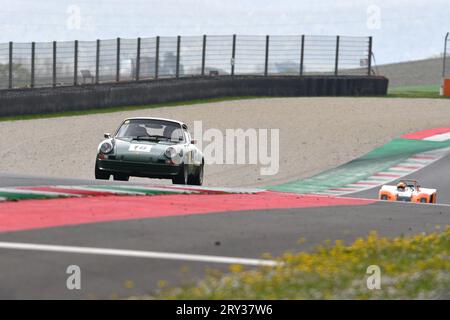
{"x":151,"y":129}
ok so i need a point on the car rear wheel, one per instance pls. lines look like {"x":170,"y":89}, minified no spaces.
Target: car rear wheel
{"x":182,"y":177}
{"x":197,"y":179}
{"x":121,"y":177}
{"x":423,"y":200}
{"x":101,"y":175}
{"x":384,"y":197}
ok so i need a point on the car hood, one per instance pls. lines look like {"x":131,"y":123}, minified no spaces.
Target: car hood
{"x":140,"y":150}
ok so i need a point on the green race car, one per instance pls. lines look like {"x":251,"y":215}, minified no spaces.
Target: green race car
{"x":152,"y":148}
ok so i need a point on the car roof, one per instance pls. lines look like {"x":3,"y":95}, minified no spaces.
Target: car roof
{"x":153,"y":118}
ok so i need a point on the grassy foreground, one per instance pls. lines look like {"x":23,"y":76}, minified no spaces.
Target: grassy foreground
{"x":420,"y":91}
{"x":413,"y":267}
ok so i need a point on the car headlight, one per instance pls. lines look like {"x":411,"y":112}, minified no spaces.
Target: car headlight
{"x":170,"y":152}
{"x":106,"y":147}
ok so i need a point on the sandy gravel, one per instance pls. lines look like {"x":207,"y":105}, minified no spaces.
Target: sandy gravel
{"x":315,"y":134}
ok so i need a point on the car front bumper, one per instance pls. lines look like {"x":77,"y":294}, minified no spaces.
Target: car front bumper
{"x":139,"y":169}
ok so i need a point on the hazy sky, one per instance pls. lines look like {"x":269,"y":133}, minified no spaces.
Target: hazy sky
{"x":402,"y":30}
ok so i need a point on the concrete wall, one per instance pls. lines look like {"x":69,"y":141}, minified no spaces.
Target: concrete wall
{"x":59,"y":99}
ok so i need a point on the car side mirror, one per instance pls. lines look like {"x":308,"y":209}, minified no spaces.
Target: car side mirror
{"x":107,"y":135}
{"x":193,"y":141}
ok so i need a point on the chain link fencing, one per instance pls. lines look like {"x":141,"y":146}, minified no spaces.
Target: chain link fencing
{"x":68,"y":63}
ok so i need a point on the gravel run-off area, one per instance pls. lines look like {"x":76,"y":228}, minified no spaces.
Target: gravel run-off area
{"x":315,"y":134}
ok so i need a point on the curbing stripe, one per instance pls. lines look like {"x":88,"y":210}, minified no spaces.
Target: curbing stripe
{"x":134,"y":190}
{"x":46,"y":192}
{"x":397,"y":171}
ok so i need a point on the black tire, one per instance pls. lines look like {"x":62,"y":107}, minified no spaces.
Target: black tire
{"x":423,"y":200}
{"x":101,"y":175}
{"x":384,"y":197}
{"x":121,"y":177}
{"x":182,"y":177}
{"x":197,"y":179}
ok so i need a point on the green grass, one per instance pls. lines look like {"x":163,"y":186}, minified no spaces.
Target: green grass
{"x":122,"y":108}
{"x":419,"y":91}
{"x":419,"y":88}
{"x":399,"y":92}
{"x":412,"y":267}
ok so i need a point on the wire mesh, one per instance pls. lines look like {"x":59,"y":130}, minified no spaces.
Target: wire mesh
{"x":250,"y":56}
{"x":213,"y":55}
{"x":128,"y":59}
{"x":191,"y":53}
{"x":218,"y":54}
{"x":284,"y":55}
{"x":107,"y":67}
{"x":147,"y":67}
{"x":446,"y":58}
{"x":167,"y":57}
{"x":353,"y":55}
{"x":21,"y":65}
{"x":43,"y":64}
{"x":319,"y":55}
{"x":65,"y":63}
{"x":4,"y":65}
{"x":86,"y":62}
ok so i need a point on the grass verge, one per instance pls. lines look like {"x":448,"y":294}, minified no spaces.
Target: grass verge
{"x":123,"y":108}
{"x":420,"y":91}
{"x":413,"y":267}
{"x":391,"y":94}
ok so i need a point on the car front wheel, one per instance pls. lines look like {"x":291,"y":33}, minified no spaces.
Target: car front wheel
{"x":182,"y":177}
{"x":197,"y":179}
{"x":101,"y":175}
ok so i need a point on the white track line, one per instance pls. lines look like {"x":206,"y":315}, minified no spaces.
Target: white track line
{"x":137,"y":254}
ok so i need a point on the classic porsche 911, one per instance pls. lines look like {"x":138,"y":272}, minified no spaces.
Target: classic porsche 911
{"x":152,"y":148}
{"x":408,"y":191}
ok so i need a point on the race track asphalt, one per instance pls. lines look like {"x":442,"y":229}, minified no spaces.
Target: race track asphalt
{"x":436,"y":176}
{"x":16,"y":180}
{"x":243,"y":234}
{"x":248,"y":234}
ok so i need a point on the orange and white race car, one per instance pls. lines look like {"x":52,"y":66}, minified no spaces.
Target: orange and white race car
{"x":409,"y":191}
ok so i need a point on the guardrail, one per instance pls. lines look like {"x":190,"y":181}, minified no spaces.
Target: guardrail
{"x":72,"y":63}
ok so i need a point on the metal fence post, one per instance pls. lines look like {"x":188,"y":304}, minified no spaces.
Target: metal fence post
{"x":54,"y":64}
{"x":369,"y":58}
{"x":75,"y":63}
{"x":33,"y":53}
{"x":97,"y":62}
{"x":302,"y":54}
{"x":336,"y":62}
{"x":138,"y":58}
{"x":177,"y":72}
{"x":157,"y":58}
{"x":266,"y":62}
{"x":118,"y":61}
{"x":233,"y":54}
{"x":10,"y":66}
{"x":203,"y":54}
{"x":444,"y":67}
